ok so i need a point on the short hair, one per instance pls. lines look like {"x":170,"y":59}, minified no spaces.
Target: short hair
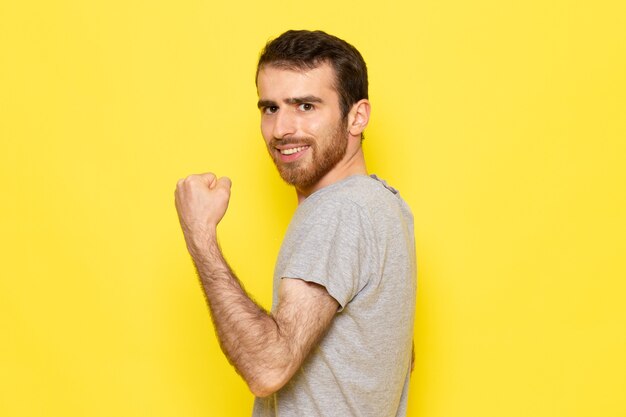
{"x":304,"y":49}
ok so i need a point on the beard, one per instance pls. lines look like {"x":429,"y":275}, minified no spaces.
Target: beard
{"x":325,"y":154}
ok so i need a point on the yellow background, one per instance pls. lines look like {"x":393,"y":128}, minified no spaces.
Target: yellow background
{"x":502,"y":123}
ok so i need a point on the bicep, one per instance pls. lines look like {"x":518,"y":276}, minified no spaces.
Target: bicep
{"x":303,"y":315}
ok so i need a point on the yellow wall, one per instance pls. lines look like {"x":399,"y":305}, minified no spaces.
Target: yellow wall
{"x":504,"y":126}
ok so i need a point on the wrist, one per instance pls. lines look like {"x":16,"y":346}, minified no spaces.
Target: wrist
{"x":207,"y":257}
{"x":201,"y":243}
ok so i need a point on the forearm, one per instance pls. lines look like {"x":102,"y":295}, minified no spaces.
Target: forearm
{"x":249,"y":336}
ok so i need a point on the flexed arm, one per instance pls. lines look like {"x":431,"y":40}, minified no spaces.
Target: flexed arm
{"x":266,"y":349}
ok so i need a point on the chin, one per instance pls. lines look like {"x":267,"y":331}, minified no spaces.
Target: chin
{"x":299,"y":180}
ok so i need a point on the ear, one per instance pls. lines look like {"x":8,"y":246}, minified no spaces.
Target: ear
{"x":359,"y":117}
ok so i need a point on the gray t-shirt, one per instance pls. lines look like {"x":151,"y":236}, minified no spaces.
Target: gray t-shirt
{"x":354,"y":237}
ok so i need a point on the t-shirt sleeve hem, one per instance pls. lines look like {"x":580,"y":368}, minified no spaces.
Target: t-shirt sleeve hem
{"x":333,"y":292}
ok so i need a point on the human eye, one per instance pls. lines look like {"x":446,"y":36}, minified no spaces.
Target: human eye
{"x":305,"y":107}
{"x":270,"y":109}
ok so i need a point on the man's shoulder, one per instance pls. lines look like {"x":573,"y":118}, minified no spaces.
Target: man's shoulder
{"x":361,"y":190}
{"x":356,"y":200}
{"x":369,"y":195}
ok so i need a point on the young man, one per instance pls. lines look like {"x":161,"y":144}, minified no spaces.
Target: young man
{"x":338,"y":339}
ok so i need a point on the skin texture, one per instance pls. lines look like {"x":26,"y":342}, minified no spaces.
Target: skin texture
{"x":268,"y":348}
{"x":300,"y":108}
{"x":295,"y":124}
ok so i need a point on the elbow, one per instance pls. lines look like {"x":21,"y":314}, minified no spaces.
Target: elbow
{"x":266,"y":385}
{"x":261,"y":391}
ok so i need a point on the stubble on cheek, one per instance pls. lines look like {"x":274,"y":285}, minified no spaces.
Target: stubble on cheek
{"x":322,"y":155}
{"x":308,"y":170}
{"x":298,"y":172}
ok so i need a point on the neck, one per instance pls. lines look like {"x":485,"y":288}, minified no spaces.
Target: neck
{"x":352,"y":164}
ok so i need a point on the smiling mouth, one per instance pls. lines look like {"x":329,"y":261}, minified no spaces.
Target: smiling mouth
{"x":291,"y":151}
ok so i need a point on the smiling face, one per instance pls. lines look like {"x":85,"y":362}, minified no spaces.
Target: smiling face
{"x":301,"y":123}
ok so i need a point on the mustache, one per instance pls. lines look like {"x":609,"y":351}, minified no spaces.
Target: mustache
{"x":291,"y":141}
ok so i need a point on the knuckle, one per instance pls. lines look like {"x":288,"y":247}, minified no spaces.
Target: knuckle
{"x":192,"y":179}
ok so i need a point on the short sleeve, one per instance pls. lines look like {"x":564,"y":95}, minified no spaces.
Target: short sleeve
{"x":330,"y":246}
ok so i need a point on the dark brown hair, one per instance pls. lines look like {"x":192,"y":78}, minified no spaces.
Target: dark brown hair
{"x":304,"y":49}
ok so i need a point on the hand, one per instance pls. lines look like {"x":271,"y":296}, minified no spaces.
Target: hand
{"x":201,"y":201}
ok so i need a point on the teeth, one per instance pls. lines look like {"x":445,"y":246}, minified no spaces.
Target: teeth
{"x":291,"y":151}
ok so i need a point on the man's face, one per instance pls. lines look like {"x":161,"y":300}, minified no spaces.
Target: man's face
{"x":301,"y":122}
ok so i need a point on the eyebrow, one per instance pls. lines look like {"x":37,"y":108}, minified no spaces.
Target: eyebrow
{"x":291,"y":100}
{"x":305,"y":99}
{"x":265,"y":103}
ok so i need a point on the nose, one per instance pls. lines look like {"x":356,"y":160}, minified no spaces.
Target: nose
{"x":284,"y":124}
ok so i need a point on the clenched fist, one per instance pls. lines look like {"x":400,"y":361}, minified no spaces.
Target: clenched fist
{"x":201,"y":202}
